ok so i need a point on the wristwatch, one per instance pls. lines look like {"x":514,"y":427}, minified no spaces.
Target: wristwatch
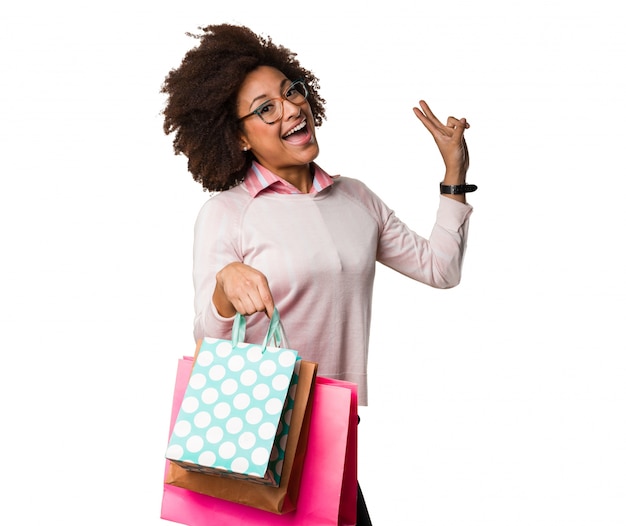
{"x":457,"y":189}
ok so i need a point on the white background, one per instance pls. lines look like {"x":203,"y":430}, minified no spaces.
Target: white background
{"x":499,"y":402}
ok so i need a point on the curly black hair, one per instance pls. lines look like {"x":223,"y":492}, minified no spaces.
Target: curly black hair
{"x":202,"y":94}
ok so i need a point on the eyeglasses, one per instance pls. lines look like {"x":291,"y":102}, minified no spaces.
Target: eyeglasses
{"x":272,"y":110}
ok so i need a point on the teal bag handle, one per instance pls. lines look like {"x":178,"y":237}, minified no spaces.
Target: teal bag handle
{"x":239,"y":329}
{"x":275,"y":332}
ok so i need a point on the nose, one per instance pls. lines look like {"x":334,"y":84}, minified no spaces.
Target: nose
{"x":290,"y":109}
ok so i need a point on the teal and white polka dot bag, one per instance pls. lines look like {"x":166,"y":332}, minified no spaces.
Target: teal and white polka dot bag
{"x":234,"y":418}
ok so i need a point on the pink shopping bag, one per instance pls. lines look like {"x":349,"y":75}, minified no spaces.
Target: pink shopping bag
{"x":328,"y":488}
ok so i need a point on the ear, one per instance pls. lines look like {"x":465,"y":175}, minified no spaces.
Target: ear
{"x":245,"y":145}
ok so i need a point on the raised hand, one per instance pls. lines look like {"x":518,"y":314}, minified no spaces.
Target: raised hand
{"x":450,"y":140}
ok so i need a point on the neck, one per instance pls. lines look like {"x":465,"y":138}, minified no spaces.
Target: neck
{"x":301,"y":177}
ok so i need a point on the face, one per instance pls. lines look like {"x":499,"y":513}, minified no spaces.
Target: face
{"x":289,"y":143}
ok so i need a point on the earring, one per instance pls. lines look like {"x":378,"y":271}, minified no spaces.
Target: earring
{"x":245,"y":148}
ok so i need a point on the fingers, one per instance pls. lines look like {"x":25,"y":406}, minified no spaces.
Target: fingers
{"x":245,"y":288}
{"x":433,"y":124}
{"x":427,"y":111}
{"x":427,"y":117}
{"x":454,"y":123}
{"x":457,"y":127}
{"x":255,"y":299}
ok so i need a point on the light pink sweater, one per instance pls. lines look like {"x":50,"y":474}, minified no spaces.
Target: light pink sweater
{"x":319,"y":253}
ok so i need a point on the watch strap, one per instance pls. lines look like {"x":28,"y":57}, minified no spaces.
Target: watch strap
{"x":457,"y":189}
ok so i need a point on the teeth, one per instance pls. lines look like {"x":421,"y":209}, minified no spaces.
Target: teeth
{"x":297,"y":128}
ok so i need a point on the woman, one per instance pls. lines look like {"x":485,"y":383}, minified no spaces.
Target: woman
{"x":281,"y":231}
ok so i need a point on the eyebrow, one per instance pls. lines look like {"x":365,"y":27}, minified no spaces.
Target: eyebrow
{"x":264,"y":96}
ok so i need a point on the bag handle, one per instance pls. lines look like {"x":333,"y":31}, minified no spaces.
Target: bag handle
{"x":275,"y":332}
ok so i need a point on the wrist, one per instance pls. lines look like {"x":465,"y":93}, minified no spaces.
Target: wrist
{"x":454,"y":176}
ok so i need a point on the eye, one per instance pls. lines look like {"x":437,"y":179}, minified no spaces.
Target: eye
{"x":266,"y":107}
{"x":295,"y":90}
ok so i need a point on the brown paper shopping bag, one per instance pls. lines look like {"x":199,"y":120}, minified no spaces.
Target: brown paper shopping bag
{"x":279,"y":500}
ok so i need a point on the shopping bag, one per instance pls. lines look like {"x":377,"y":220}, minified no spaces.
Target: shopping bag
{"x":228,"y":421}
{"x":281,"y":499}
{"x":329,"y":479}
{"x":349,"y":488}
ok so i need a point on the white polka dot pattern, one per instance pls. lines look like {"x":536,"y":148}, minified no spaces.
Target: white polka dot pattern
{"x":234,"y":418}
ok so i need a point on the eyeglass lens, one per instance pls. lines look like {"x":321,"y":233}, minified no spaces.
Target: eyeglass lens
{"x":272,"y":110}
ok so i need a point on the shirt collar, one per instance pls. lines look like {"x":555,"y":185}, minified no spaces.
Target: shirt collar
{"x":259,"y":179}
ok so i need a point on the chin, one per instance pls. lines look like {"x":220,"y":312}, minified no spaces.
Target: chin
{"x":313,"y":153}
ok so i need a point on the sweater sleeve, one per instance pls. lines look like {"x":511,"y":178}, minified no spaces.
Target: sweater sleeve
{"x":436,"y":261}
{"x":215,"y":245}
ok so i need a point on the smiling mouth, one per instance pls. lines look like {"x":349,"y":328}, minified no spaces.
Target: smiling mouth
{"x":296,"y":129}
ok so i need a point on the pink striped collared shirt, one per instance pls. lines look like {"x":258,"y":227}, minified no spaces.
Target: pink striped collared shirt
{"x":260,"y":179}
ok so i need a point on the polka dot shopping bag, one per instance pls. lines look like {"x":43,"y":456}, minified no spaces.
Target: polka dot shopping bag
{"x":233,"y":410}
